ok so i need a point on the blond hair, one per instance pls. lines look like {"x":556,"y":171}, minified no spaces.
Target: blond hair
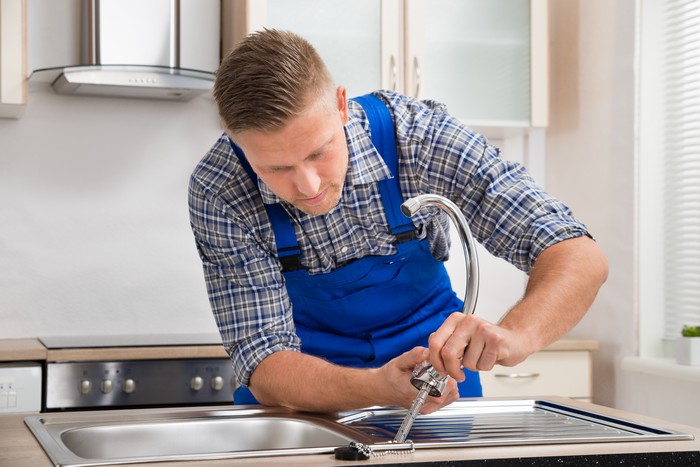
{"x":268,"y":78}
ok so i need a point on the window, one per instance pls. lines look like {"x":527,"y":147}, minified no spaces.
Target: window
{"x":669,"y":169}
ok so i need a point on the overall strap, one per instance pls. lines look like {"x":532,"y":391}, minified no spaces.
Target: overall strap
{"x":381,"y":127}
{"x":288,"y":251}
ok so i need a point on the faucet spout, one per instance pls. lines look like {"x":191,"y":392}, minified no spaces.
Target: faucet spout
{"x":413,"y":205}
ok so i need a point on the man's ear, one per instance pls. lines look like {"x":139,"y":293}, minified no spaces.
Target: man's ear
{"x":342,"y":103}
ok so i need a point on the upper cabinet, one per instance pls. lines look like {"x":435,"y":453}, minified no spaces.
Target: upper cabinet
{"x":356,"y":39}
{"x":486,"y":60}
{"x":13,"y":58}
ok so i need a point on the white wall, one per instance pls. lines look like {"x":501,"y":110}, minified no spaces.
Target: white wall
{"x":95,"y":233}
{"x":591,"y":162}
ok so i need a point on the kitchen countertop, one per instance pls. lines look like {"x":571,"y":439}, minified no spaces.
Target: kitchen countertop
{"x":15,"y":350}
{"x":20,"y":449}
{"x":20,"y":350}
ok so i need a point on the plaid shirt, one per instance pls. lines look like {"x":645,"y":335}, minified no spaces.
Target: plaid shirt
{"x":507,"y":213}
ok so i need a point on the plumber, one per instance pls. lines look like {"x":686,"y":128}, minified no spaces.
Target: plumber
{"x":325,"y":294}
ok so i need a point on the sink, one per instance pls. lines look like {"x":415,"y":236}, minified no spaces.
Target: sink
{"x":131,"y":436}
{"x":96,"y":438}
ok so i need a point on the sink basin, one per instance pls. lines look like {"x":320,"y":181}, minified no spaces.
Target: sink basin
{"x":198,"y":436}
{"x":87,"y":439}
{"x":97,"y":438}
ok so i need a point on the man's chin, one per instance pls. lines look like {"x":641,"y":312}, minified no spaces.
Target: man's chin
{"x":315,"y":210}
{"x":318,"y":209}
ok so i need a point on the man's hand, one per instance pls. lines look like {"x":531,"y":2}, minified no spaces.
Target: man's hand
{"x":397,"y":373}
{"x":471,"y":342}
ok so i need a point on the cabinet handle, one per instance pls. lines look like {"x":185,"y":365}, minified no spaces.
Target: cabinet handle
{"x":517,"y":375}
{"x":416,"y":75}
{"x":394,"y":74}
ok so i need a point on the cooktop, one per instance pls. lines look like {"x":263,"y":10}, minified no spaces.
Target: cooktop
{"x":129,"y":340}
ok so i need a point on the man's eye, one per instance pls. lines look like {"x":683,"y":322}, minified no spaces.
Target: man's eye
{"x":276,"y":170}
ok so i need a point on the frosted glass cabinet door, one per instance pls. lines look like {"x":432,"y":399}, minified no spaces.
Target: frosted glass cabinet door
{"x":473,"y":55}
{"x":347,"y":35}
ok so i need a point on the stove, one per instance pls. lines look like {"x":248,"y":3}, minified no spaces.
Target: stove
{"x":136,"y":371}
{"x":129,"y":340}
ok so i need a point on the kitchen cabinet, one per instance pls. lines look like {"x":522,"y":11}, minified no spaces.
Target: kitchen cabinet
{"x":563,"y":369}
{"x":358,"y":42}
{"x":13,"y":58}
{"x":486,"y":60}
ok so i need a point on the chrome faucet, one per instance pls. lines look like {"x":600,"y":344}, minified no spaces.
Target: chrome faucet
{"x":413,"y":205}
{"x":426,"y":379}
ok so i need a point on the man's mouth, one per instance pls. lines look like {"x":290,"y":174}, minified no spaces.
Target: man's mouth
{"x":316,"y":199}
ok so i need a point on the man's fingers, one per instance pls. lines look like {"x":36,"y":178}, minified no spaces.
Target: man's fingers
{"x":439,"y":339}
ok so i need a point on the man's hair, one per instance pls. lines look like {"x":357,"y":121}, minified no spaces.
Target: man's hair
{"x":268,"y":78}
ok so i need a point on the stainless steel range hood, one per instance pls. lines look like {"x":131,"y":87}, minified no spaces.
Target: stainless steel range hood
{"x":138,"y":81}
{"x":132,"y":48}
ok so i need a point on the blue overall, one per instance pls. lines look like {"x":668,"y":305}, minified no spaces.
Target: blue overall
{"x":373,"y":309}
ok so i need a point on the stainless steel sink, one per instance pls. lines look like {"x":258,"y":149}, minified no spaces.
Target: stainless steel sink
{"x":99,"y":438}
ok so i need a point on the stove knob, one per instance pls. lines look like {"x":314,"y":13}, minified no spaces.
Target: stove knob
{"x":106,"y":386}
{"x":196,"y":383}
{"x":129,"y":386}
{"x":85,"y":387}
{"x":217,"y":383}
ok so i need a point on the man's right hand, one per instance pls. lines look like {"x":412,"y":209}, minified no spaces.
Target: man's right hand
{"x":398,"y":372}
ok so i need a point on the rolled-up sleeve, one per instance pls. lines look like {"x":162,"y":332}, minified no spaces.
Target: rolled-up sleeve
{"x":244,"y":281}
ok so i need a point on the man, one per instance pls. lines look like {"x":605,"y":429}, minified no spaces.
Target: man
{"x":326,"y":298}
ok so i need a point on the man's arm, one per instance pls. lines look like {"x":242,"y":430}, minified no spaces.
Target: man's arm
{"x":305,"y":382}
{"x":563,"y":283}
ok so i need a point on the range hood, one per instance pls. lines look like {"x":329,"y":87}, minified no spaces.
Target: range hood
{"x":135,"y":81}
{"x":133,"y":48}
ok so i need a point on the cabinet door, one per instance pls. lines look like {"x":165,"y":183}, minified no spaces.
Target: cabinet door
{"x":475,"y":56}
{"x":561,"y":373}
{"x":13,"y":57}
{"x":350,"y":37}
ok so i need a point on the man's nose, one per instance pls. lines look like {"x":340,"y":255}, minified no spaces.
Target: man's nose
{"x":307,"y":181}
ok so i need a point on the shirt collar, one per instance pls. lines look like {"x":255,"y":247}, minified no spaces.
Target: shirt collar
{"x":365,"y":163}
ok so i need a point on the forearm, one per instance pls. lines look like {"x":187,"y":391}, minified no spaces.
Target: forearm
{"x":303,"y":382}
{"x":562,"y":286}
{"x":563,"y":283}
